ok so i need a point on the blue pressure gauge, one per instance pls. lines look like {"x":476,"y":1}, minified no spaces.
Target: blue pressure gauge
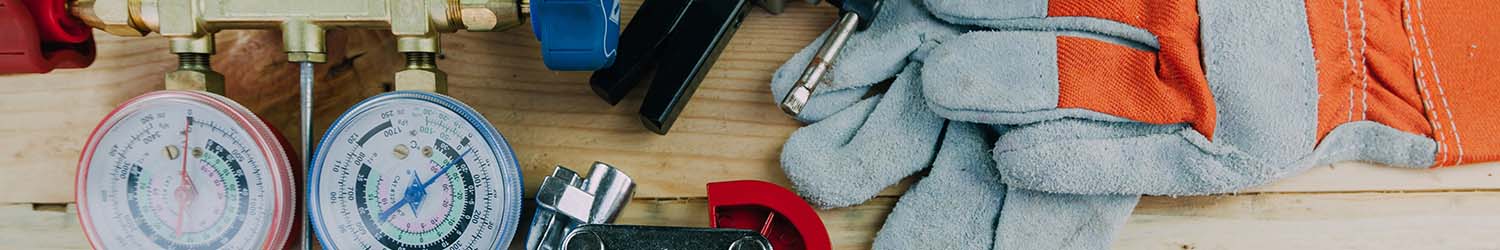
{"x":414,"y":170}
{"x":576,"y":34}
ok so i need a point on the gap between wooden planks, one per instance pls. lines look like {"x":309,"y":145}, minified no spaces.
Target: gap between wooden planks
{"x":1427,"y":220}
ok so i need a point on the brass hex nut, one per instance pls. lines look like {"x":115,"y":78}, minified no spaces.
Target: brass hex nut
{"x":489,"y":15}
{"x":195,"y":80}
{"x":112,"y":16}
{"x":431,"y":79}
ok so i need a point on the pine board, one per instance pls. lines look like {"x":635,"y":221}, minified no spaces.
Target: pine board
{"x":731,"y":130}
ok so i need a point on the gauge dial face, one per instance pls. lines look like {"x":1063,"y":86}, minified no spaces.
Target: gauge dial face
{"x":411,"y":170}
{"x":184,"y":170}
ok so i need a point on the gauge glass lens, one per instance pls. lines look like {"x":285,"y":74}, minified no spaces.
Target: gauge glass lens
{"x":408,"y":173}
{"x":178,"y":172}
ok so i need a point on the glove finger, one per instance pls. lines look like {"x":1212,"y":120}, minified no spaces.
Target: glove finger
{"x":1133,"y":60}
{"x":850,"y":156}
{"x":955,"y":206}
{"x":869,"y":57}
{"x":974,"y":12}
{"x":1170,"y":19}
{"x":1094,"y":157}
{"x":1040,"y":220}
{"x":878,"y":52}
{"x":1019,"y":77}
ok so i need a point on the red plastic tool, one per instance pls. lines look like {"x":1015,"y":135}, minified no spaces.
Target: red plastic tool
{"x":775,"y":212}
{"x":40,"y":36}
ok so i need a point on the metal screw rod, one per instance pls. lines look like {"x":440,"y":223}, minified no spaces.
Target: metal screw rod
{"x":821,"y":63}
{"x":305,"y":79}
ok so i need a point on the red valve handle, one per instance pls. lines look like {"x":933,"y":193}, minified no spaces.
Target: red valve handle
{"x":780,"y":215}
{"x":41,"y":36}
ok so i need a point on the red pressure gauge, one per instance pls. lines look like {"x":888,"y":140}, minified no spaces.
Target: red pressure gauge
{"x":185,"y":170}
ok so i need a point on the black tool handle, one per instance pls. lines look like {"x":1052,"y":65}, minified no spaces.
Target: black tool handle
{"x":866,"y":9}
{"x":640,"y":44}
{"x":691,"y":51}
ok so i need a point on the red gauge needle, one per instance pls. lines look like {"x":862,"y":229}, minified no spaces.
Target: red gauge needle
{"x":185,"y":191}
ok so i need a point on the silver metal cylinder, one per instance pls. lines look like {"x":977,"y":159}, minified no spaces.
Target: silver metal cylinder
{"x":822,"y":62}
{"x":305,"y":79}
{"x":612,"y":189}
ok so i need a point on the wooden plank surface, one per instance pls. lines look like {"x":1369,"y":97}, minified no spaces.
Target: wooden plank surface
{"x":730,"y":130}
{"x":1427,"y":220}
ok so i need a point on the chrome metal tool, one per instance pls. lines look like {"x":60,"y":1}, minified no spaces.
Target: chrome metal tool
{"x":854,"y":15}
{"x":566,"y":201}
{"x":573,"y":213}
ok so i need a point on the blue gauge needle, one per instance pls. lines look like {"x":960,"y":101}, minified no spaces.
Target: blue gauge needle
{"x":416,"y":191}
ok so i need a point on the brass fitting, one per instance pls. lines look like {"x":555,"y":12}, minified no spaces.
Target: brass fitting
{"x":193,"y":73}
{"x":421,"y":73}
{"x":416,"y":24}
{"x":113,"y":16}
{"x":488,"y":15}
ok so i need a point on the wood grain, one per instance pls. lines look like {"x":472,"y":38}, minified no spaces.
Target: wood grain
{"x":1429,"y":220}
{"x":730,"y":130}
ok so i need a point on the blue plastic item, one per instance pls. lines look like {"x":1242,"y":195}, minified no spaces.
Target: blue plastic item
{"x":576,"y":34}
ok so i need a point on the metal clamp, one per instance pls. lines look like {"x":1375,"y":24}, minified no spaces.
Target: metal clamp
{"x":566,"y":201}
{"x":573,"y":213}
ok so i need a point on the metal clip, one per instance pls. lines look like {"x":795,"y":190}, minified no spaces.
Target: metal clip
{"x":566,"y":201}
{"x":573,"y":213}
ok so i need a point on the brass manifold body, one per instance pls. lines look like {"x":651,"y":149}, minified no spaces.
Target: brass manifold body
{"x":189,"y":25}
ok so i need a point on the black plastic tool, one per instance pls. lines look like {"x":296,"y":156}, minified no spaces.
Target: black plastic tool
{"x":675,"y":40}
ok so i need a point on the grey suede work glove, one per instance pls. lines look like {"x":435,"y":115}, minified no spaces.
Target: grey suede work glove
{"x":1161,"y":98}
{"x":859,"y":142}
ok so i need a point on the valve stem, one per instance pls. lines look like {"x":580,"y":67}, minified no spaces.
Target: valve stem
{"x":305,"y":80}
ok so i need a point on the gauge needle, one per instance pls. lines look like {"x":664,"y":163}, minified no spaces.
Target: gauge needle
{"x":444,"y":171}
{"x":185,"y":191}
{"x":416,"y":191}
